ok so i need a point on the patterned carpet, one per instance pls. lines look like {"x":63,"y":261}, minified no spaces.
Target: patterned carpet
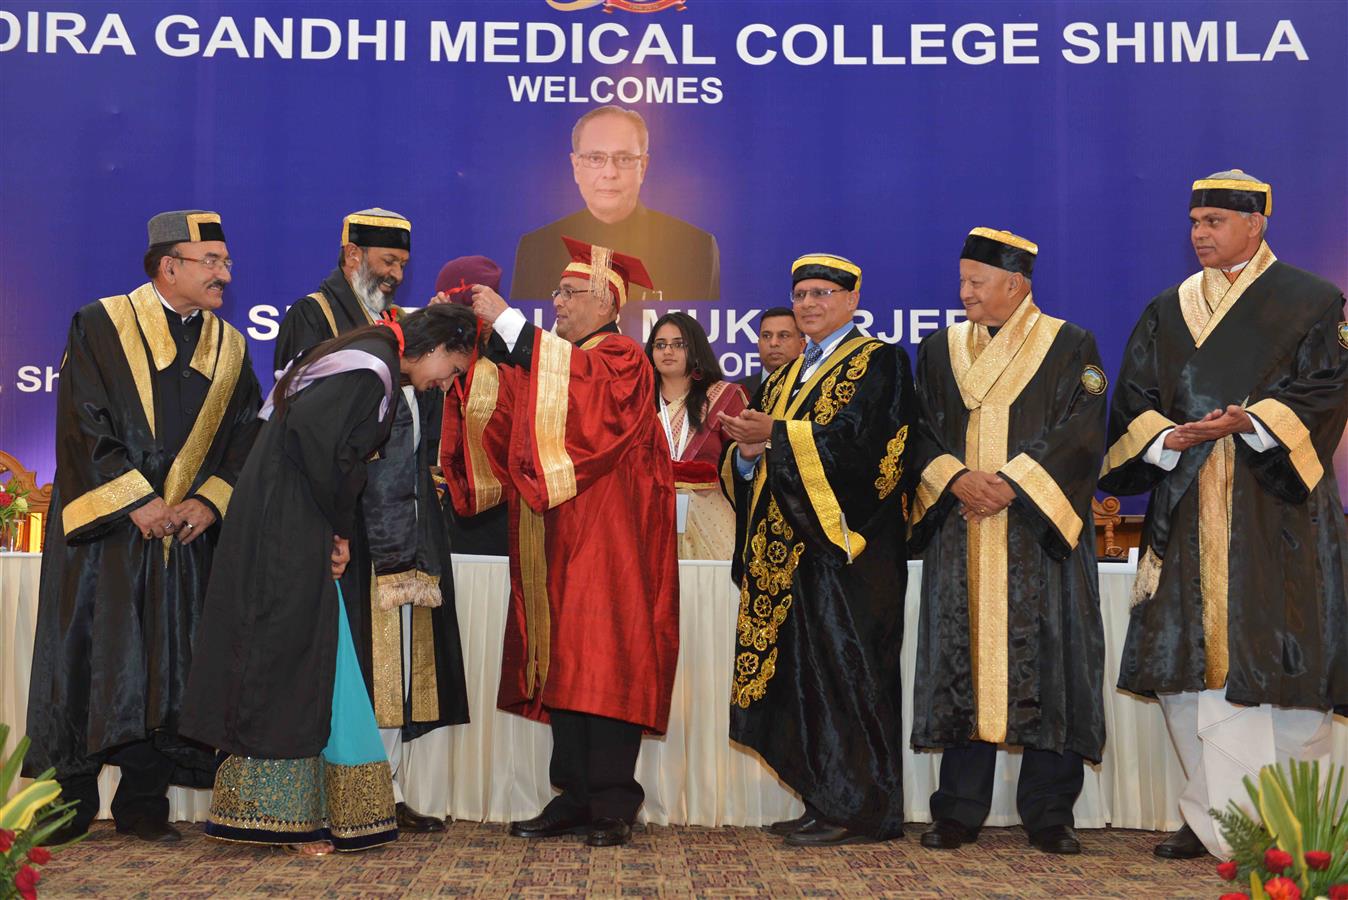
{"x":474,"y":860}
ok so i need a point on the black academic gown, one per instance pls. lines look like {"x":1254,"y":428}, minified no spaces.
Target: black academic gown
{"x":307,"y":324}
{"x":1052,"y":678}
{"x":1281,"y":351}
{"x":683,"y":260}
{"x":146,"y":406}
{"x":406,"y":540}
{"x":816,"y":688}
{"x":262,"y":687}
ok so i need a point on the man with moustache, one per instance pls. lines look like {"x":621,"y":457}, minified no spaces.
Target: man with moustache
{"x":817,"y":477}
{"x":780,"y":341}
{"x":610,"y":157}
{"x":1231,"y":400}
{"x":399,"y":586}
{"x":1011,"y":646}
{"x":156,"y":412}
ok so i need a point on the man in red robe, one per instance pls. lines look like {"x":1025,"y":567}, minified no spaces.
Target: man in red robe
{"x":559,"y":426}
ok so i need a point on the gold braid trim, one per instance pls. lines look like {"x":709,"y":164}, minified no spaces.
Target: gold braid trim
{"x":425,"y":684}
{"x":218,"y":491}
{"x":822,"y":499}
{"x":1135,"y":441}
{"x":104,"y":500}
{"x":1043,"y":491}
{"x":359,"y":799}
{"x":123,"y":317}
{"x":1288,"y":428}
{"x":936,"y":477}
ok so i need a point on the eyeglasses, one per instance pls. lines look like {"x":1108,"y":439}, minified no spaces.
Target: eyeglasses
{"x":568,"y":293}
{"x":598,"y":160}
{"x":669,"y":345}
{"x":210,"y":262}
{"x":816,"y":294}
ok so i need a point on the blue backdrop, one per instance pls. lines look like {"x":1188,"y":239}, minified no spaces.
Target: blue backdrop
{"x":780,"y":127}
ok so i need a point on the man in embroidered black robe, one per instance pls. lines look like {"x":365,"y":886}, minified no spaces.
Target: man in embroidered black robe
{"x":1231,"y":400}
{"x":399,"y":587}
{"x":156,"y":412}
{"x":817,"y":476}
{"x":1011,"y":647}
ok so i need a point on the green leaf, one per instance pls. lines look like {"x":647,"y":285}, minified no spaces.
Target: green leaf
{"x":11,"y":767}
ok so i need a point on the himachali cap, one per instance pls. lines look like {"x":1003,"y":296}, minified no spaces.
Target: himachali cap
{"x":185,"y":225}
{"x":377,"y":228}
{"x":457,"y":277}
{"x":1237,"y":194}
{"x":838,"y":269}
{"x":1002,"y":249}
{"x":603,"y":266}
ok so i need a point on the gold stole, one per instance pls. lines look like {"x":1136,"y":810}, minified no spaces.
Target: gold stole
{"x":1205,"y":298}
{"x":386,"y":662}
{"x":552,"y":371}
{"x":991,"y":373}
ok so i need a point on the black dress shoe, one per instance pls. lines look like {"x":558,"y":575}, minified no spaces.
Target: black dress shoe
{"x":609,"y":832}
{"x":786,"y":826}
{"x":551,"y":823}
{"x":1056,"y":839}
{"x":413,"y":821}
{"x":825,"y":834}
{"x":948,"y":834}
{"x":1183,"y":844}
{"x":151,"y":830}
{"x":64,"y":834}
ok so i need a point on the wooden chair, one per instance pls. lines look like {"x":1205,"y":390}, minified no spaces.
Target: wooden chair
{"x":39,"y":501}
{"x":1107,"y":518}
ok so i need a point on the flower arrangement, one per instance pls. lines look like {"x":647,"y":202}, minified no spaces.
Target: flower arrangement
{"x":1297,"y":847}
{"x":27,"y":820}
{"x":13,"y":510}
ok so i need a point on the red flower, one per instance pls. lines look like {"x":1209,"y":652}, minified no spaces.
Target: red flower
{"x":1234,"y":897}
{"x":1338,"y":892}
{"x":26,"y":880}
{"x":6,"y":498}
{"x":1318,"y":859}
{"x":39,"y":856}
{"x":1276,"y":860}
{"x":1228,"y":870}
{"x":6,"y":840}
{"x":1282,"y":889}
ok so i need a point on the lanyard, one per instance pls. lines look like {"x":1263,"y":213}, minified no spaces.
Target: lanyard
{"x":676,"y":449}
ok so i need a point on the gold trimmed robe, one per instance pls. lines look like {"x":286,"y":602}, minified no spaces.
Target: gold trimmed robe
{"x":1011,"y":647}
{"x":821,"y":562}
{"x":564,"y":434}
{"x":117,"y":614}
{"x":1243,"y":576}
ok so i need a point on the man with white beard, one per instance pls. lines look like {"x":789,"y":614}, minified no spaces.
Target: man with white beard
{"x":376,"y":246}
{"x":399,"y":585}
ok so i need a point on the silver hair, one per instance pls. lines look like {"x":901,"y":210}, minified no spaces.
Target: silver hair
{"x":1238,"y":175}
{"x":631,"y":115}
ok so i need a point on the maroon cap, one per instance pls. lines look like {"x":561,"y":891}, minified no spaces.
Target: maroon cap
{"x":458,"y":276}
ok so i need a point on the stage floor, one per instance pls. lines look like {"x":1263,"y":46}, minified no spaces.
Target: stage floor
{"x":473,"y":860}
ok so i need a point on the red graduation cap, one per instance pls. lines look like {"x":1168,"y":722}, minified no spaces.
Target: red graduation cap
{"x":604,"y":266}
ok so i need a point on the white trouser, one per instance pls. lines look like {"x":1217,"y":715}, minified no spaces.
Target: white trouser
{"x":1219,"y":743}
{"x":393,"y":737}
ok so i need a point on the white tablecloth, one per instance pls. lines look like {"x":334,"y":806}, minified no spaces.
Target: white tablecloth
{"x":496,"y":768}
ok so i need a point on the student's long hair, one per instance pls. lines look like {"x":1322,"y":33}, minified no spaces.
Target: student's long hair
{"x":446,"y":324}
{"x":701,"y":364}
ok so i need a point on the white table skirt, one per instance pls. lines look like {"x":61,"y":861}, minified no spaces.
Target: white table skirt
{"x":496,"y":768}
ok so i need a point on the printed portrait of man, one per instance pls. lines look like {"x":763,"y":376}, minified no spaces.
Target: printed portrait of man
{"x":610,"y":157}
